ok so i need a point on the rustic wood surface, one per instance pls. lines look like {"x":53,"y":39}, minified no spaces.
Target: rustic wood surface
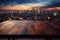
{"x":29,"y":27}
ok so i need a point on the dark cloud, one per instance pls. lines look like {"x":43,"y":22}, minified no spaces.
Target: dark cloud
{"x":54,"y":3}
{"x":17,"y":1}
{"x":12,"y":2}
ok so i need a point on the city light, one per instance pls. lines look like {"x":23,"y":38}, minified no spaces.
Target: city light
{"x":55,"y":14}
{"x":49,"y":18}
{"x":35,"y":14}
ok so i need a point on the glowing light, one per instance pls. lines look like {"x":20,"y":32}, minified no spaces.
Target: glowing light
{"x":48,"y":17}
{"x":55,"y":14}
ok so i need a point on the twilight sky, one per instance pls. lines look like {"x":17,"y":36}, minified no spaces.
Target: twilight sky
{"x":25,"y":3}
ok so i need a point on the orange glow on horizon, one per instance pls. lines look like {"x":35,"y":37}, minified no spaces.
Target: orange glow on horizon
{"x":17,"y":8}
{"x":55,"y":8}
{"x":27,"y":8}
